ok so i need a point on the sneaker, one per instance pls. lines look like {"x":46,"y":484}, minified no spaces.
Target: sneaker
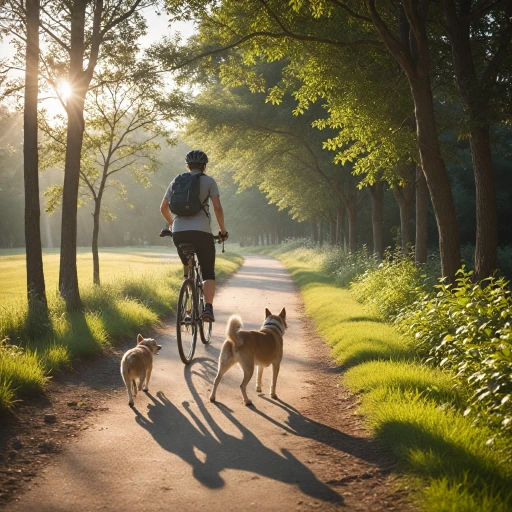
{"x":208,"y":313}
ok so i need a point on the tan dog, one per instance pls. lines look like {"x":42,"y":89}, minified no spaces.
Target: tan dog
{"x":263,"y":348}
{"x":137,"y":365}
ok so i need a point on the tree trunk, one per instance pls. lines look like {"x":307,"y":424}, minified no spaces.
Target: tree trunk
{"x":413,"y":55}
{"x":377,"y":197}
{"x":486,"y":259}
{"x":314,"y":229}
{"x":352,"y":225}
{"x":437,"y":178}
{"x":321,"y":232}
{"x":405,"y":198}
{"x":68,"y":276}
{"x":421,"y":217}
{"x":340,"y":225}
{"x":332,"y":230}
{"x":95,"y":234}
{"x":475,"y":94}
{"x":35,"y":277}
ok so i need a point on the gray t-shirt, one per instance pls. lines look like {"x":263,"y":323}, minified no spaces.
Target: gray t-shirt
{"x":200,"y":221}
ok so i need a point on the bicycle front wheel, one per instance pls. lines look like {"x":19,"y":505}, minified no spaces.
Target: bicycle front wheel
{"x":186,"y":321}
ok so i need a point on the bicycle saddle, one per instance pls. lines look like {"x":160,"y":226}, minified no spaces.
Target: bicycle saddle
{"x":188,"y":248}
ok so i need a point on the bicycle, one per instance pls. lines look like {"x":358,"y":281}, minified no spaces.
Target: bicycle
{"x":191,"y":303}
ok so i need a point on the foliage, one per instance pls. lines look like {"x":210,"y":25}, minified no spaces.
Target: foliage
{"x":411,"y":407}
{"x":265,"y":146}
{"x":345,"y":266}
{"x":390,"y":286}
{"x":467,"y":329}
{"x":125,"y":124}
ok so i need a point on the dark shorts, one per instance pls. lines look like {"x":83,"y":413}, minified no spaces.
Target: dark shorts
{"x":205,"y":250}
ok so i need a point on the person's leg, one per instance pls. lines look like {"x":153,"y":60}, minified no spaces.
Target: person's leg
{"x":209,"y":290}
{"x":179,"y":238}
{"x":206,"y":256}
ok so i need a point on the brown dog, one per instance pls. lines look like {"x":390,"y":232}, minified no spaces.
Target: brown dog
{"x":263,"y":348}
{"x":137,"y":365}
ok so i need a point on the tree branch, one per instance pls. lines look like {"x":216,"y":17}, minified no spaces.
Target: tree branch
{"x":352,"y":13}
{"x":493,"y":67}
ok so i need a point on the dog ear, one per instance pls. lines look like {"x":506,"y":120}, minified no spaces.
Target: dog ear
{"x":267,"y":313}
{"x":283,"y":313}
{"x":140,"y":338}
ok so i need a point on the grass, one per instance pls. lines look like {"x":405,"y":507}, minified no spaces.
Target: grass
{"x":139,"y":289}
{"x":114,"y":262}
{"x":414,"y":409}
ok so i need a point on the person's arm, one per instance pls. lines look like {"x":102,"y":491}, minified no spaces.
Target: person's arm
{"x":166,"y":213}
{"x":219,"y":213}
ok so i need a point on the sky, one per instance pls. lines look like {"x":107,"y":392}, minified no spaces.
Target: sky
{"x":158,"y":27}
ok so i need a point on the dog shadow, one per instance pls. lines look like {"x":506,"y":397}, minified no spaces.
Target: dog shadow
{"x":198,"y":440}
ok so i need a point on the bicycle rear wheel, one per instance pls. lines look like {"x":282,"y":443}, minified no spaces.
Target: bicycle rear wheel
{"x":205,"y":326}
{"x":186,"y":321}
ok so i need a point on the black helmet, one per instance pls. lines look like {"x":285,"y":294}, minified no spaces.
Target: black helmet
{"x":196,"y":156}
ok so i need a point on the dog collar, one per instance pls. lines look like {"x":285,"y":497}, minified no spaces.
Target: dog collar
{"x":272,"y":323}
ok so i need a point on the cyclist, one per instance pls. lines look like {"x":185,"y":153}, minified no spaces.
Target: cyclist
{"x":196,"y":229}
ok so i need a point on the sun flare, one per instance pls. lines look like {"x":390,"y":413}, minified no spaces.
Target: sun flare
{"x":64,"y":89}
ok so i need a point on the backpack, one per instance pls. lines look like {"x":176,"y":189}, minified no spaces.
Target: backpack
{"x":185,"y":200}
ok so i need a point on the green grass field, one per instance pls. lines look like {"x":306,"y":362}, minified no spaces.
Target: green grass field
{"x":139,"y":287}
{"x":114,"y":262}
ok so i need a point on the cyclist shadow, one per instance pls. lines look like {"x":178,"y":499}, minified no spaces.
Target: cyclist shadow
{"x":208,"y":449}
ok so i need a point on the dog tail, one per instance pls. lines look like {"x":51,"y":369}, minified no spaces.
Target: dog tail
{"x":234,"y":325}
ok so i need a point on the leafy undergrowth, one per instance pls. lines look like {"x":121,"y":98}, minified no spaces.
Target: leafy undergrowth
{"x":414,"y":408}
{"x":33,"y":348}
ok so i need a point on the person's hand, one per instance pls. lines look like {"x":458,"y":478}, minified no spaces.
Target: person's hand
{"x":166,"y":232}
{"x":223,"y":236}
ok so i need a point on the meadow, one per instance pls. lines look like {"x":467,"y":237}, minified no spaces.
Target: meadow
{"x":114,"y":262}
{"x":139,"y":288}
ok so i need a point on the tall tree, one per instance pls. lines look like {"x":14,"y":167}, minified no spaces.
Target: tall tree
{"x":35,"y":276}
{"x":267,"y":29}
{"x":272,"y":149}
{"x":125,"y":125}
{"x":83,"y":45}
{"x":480,"y":35}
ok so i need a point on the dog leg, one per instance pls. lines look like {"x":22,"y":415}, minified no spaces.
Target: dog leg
{"x":129,"y":389}
{"x":258,"y":381}
{"x":134,"y":384}
{"x":148,"y":375}
{"x":225,"y":363}
{"x":275,"y":373}
{"x":142,"y":378}
{"x":248,"y":372}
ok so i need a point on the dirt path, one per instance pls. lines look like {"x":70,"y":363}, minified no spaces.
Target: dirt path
{"x":176,"y":450}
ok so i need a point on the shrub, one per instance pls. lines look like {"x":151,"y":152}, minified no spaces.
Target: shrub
{"x":467,"y":328}
{"x":346,"y":266}
{"x":394,"y":284}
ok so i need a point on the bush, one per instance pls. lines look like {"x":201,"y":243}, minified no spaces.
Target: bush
{"x":467,"y":329}
{"x":394,"y":284}
{"x":345,"y":266}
